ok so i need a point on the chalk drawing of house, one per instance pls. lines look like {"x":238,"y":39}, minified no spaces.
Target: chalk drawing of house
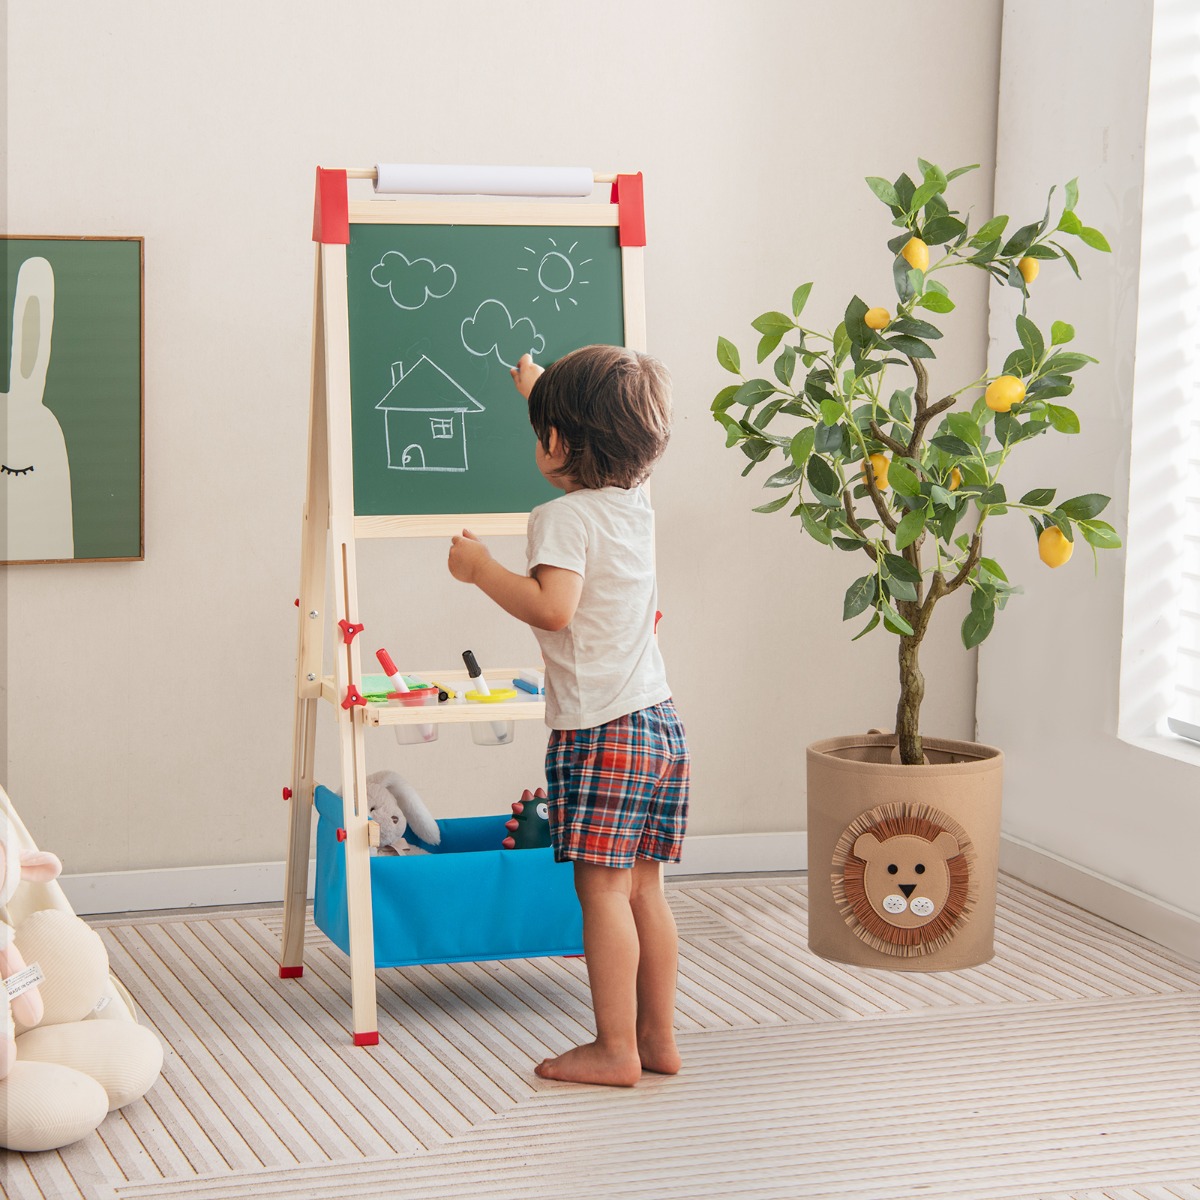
{"x":425,"y":415}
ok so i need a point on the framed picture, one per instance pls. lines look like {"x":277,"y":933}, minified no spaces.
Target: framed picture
{"x":72,"y":448}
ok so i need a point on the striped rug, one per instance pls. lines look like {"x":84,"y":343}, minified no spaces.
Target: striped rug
{"x":1068,"y":1068}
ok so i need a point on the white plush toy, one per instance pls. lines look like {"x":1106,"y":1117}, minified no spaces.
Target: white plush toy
{"x":395,"y":805}
{"x":79,"y":1053}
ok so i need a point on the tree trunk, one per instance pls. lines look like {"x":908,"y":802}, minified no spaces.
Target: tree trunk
{"x":912,"y":692}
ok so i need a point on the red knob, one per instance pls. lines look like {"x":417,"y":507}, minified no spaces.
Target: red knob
{"x":508,"y":843}
{"x":341,"y":835}
{"x":287,"y":793}
{"x":297,"y":601}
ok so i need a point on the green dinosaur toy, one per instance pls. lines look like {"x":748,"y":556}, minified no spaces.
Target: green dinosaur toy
{"x":529,"y":828}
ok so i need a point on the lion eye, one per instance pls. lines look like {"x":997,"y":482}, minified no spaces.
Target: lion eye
{"x":919,"y":868}
{"x":892,"y":868}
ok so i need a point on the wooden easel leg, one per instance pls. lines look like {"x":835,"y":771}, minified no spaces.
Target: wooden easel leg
{"x":309,"y":656}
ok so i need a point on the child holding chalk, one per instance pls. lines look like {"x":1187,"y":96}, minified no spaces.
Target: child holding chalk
{"x":617,"y":763}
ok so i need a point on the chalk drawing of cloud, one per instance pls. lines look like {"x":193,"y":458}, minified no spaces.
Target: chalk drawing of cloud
{"x":493,"y":329}
{"x":412,"y":281}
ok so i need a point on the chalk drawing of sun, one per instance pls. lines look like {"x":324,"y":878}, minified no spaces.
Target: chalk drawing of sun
{"x":557,"y":272}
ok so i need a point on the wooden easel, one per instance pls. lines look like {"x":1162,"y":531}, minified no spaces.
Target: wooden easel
{"x":331,"y":529}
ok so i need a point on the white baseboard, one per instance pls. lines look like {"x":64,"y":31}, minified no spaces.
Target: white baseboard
{"x":262,"y":883}
{"x":1136,"y":911}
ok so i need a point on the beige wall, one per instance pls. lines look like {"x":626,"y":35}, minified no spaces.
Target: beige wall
{"x":151,"y":708}
{"x":1049,"y":676}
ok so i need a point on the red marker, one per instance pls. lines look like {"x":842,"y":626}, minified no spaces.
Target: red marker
{"x":385,"y":661}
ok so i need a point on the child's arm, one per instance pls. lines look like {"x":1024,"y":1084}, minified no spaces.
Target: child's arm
{"x":546,"y":600}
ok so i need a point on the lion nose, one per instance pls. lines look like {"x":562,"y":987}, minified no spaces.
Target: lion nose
{"x":908,"y":889}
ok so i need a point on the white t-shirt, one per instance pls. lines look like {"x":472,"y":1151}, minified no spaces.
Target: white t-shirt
{"x":605,"y":663}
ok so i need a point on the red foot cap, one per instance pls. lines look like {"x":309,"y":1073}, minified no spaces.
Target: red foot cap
{"x":290,"y":972}
{"x":367,"y":1039}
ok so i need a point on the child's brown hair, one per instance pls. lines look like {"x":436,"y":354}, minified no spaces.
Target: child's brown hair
{"x":612,"y":410}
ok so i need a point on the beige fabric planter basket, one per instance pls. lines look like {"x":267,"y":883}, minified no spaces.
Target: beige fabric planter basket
{"x":902,"y":860}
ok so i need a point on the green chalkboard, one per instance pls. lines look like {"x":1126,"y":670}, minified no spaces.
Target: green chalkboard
{"x":72,"y":447}
{"x":438,"y":314}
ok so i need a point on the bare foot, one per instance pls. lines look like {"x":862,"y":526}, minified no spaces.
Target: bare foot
{"x":591,"y":1064}
{"x":659,"y":1054}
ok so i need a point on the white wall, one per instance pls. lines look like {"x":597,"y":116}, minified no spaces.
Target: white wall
{"x":1049,"y":675}
{"x":199,"y":127}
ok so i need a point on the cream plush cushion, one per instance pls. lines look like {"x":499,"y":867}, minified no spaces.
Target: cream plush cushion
{"x":72,"y":958}
{"x":124,"y":1059}
{"x":44,"y":1106}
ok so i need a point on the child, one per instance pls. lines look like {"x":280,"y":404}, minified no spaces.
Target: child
{"x":617,"y":764}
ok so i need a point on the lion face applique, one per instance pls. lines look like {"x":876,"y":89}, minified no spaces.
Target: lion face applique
{"x":903,"y":878}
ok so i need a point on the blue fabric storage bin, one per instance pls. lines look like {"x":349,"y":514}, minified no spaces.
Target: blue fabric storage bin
{"x":467,"y":900}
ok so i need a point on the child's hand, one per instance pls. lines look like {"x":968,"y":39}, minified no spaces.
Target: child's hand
{"x":467,"y":555}
{"x":525,"y":374}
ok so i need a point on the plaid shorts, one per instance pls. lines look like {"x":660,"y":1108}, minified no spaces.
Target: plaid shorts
{"x":619,"y":791}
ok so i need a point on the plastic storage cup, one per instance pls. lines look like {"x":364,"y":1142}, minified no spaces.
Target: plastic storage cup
{"x":410,"y":735}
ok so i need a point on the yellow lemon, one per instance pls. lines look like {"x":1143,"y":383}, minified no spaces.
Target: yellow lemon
{"x":955,"y":478}
{"x":879,"y":470}
{"x":1003,"y":392}
{"x":1053,"y":547}
{"x":1029,"y":269}
{"x":916,"y":254}
{"x":877,"y":318}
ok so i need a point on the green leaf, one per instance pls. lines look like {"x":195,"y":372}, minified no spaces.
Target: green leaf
{"x":952,"y":445}
{"x":856,"y":328}
{"x":869,"y":626}
{"x":831,"y":439}
{"x":728,"y":357}
{"x":800,"y":298}
{"x":911,"y":346}
{"x":1020,"y":241}
{"x":1061,"y":333}
{"x":1066,"y":361}
{"x":754,"y":391}
{"x":802,"y":445}
{"x":1094,"y":238}
{"x":900,"y":589}
{"x":1070,"y":261}
{"x":961,"y":171}
{"x":962,"y":425}
{"x":1072,"y":193}
{"x":1069,"y":223}
{"x":767,"y":343}
{"x":1100,"y":534}
{"x":1083,"y":508}
{"x":724,"y":398}
{"x":773,"y":322}
{"x":831,"y":412}
{"x":812,"y":526}
{"x":1042,"y":252}
{"x":884,"y":191}
{"x":916,"y":327}
{"x":1030,"y":336}
{"x":894,"y":621}
{"x":901,"y":568}
{"x":903,"y":481}
{"x":822,"y":476}
{"x":910,"y":527}
{"x":1063,"y":419}
{"x":859,"y":597}
{"x":1039,"y":497}
{"x":785,"y":365}
{"x":785,"y":477}
{"x":989,"y":231}
{"x":978,"y":622}
{"x":900,"y":406}
{"x":774,"y":505}
{"x":841,"y":343}
{"x":941,"y":230}
{"x":936,"y":302}
{"x":992,"y":567}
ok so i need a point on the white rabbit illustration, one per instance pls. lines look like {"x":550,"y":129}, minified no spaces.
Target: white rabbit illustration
{"x":35,"y":475}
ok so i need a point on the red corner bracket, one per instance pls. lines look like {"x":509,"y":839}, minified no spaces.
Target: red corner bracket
{"x":627,"y":195}
{"x":331,"y":209}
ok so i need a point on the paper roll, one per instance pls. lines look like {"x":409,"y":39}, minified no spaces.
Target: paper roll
{"x":434,"y":179}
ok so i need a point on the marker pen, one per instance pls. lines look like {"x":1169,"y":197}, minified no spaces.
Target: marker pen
{"x":385,"y":661}
{"x":499,"y":728}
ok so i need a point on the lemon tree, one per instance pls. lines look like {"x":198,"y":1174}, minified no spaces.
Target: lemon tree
{"x":909,"y":480}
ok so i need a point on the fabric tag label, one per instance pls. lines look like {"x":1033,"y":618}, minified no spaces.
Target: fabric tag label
{"x":16,"y":985}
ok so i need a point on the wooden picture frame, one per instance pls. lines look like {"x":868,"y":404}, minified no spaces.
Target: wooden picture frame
{"x":73,"y":446}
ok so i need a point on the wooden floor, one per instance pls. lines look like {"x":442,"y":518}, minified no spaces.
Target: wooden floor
{"x":1068,"y":1068}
